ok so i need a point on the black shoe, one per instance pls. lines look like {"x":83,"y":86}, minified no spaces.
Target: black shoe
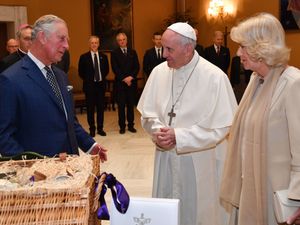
{"x":122,"y":131}
{"x":132,"y":129}
{"x":101,"y":133}
{"x":92,"y":133}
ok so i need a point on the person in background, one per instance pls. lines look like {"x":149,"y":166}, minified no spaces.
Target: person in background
{"x":153,"y":56}
{"x":64,"y":63}
{"x":239,"y":77}
{"x":199,"y":48}
{"x":125,"y":65}
{"x":36,"y":104}
{"x":187,"y":107}
{"x":93,"y":68}
{"x":24,"y":39}
{"x":263,"y":152}
{"x":217,"y":53}
{"x":12,"y":45}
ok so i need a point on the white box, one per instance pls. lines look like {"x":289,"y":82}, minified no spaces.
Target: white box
{"x":147,"y":211}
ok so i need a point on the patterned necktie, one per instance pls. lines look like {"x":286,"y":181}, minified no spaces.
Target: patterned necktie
{"x":71,"y":133}
{"x":54,"y":85}
{"x":96,"y":65}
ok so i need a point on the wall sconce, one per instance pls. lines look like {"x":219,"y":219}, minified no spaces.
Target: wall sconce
{"x":218,"y":10}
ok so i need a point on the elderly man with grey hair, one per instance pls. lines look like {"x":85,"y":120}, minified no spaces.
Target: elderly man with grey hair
{"x":12,"y":45}
{"x":36,"y":105}
{"x":187,"y":107}
{"x":24,"y":43}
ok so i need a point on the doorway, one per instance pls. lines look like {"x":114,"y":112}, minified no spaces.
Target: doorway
{"x":11,"y":17}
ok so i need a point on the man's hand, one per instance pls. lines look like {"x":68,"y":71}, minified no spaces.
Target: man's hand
{"x":99,"y":150}
{"x":128,"y":80}
{"x":165,"y":138}
{"x":295,"y":218}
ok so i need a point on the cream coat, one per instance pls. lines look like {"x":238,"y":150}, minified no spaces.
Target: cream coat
{"x":284,"y":134}
{"x":283,"y":141}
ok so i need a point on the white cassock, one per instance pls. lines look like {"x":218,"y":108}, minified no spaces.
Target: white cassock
{"x":192,"y":170}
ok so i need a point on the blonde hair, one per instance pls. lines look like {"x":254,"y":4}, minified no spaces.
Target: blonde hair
{"x":264,"y":39}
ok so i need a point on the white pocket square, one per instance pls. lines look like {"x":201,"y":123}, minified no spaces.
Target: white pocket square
{"x":69,"y":88}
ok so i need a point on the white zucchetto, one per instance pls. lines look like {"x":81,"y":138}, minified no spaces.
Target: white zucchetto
{"x":184,"y":29}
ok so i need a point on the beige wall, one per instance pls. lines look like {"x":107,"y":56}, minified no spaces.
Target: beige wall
{"x":245,"y":8}
{"x":148,"y":17}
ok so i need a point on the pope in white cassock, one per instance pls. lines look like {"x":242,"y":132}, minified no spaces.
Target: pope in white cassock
{"x":187,"y":106}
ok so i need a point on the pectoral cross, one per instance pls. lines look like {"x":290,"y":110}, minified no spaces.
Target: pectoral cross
{"x":171,"y":114}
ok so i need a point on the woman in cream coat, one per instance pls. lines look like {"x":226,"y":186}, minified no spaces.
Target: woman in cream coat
{"x":264,"y":144}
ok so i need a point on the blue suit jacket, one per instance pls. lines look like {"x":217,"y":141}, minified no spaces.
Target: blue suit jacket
{"x":30,"y":116}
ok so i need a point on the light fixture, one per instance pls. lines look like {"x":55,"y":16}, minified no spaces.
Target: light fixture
{"x":217,"y":9}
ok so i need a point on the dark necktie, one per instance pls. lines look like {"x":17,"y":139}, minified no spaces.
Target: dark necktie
{"x":158,"y":53}
{"x":124,"y":51}
{"x":218,"y":50}
{"x":96,"y":67}
{"x":54,"y":85}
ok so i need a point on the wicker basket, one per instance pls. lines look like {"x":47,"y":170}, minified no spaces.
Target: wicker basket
{"x":48,"y":206}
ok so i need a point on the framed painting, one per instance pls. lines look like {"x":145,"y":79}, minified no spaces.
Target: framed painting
{"x":109,"y":17}
{"x":290,"y":14}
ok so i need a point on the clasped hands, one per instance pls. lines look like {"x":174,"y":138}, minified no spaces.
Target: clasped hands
{"x":128,"y":80}
{"x":164,"y":138}
{"x":99,"y":150}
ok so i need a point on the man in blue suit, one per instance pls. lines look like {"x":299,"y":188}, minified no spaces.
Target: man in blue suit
{"x":36,"y":107}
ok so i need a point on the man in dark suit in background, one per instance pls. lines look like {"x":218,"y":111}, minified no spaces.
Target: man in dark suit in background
{"x":199,"y":48}
{"x":93,"y":68}
{"x":36,"y":105}
{"x":217,"y":53}
{"x":64,"y":63}
{"x":239,"y":77}
{"x":12,"y":45}
{"x":125,"y":65}
{"x":153,"y":56}
{"x":24,"y":39}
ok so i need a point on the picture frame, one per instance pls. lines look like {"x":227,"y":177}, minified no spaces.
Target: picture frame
{"x":110,"y":17}
{"x":290,"y":14}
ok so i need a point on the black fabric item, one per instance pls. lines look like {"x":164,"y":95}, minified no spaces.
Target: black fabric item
{"x":96,"y":65}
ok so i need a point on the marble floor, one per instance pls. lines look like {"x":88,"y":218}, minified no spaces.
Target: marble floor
{"x":130,"y":155}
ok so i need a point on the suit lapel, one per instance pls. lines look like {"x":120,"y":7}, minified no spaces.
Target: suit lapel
{"x":278,"y":91}
{"x":90,"y":61}
{"x":34,"y":73}
{"x":63,"y":89}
